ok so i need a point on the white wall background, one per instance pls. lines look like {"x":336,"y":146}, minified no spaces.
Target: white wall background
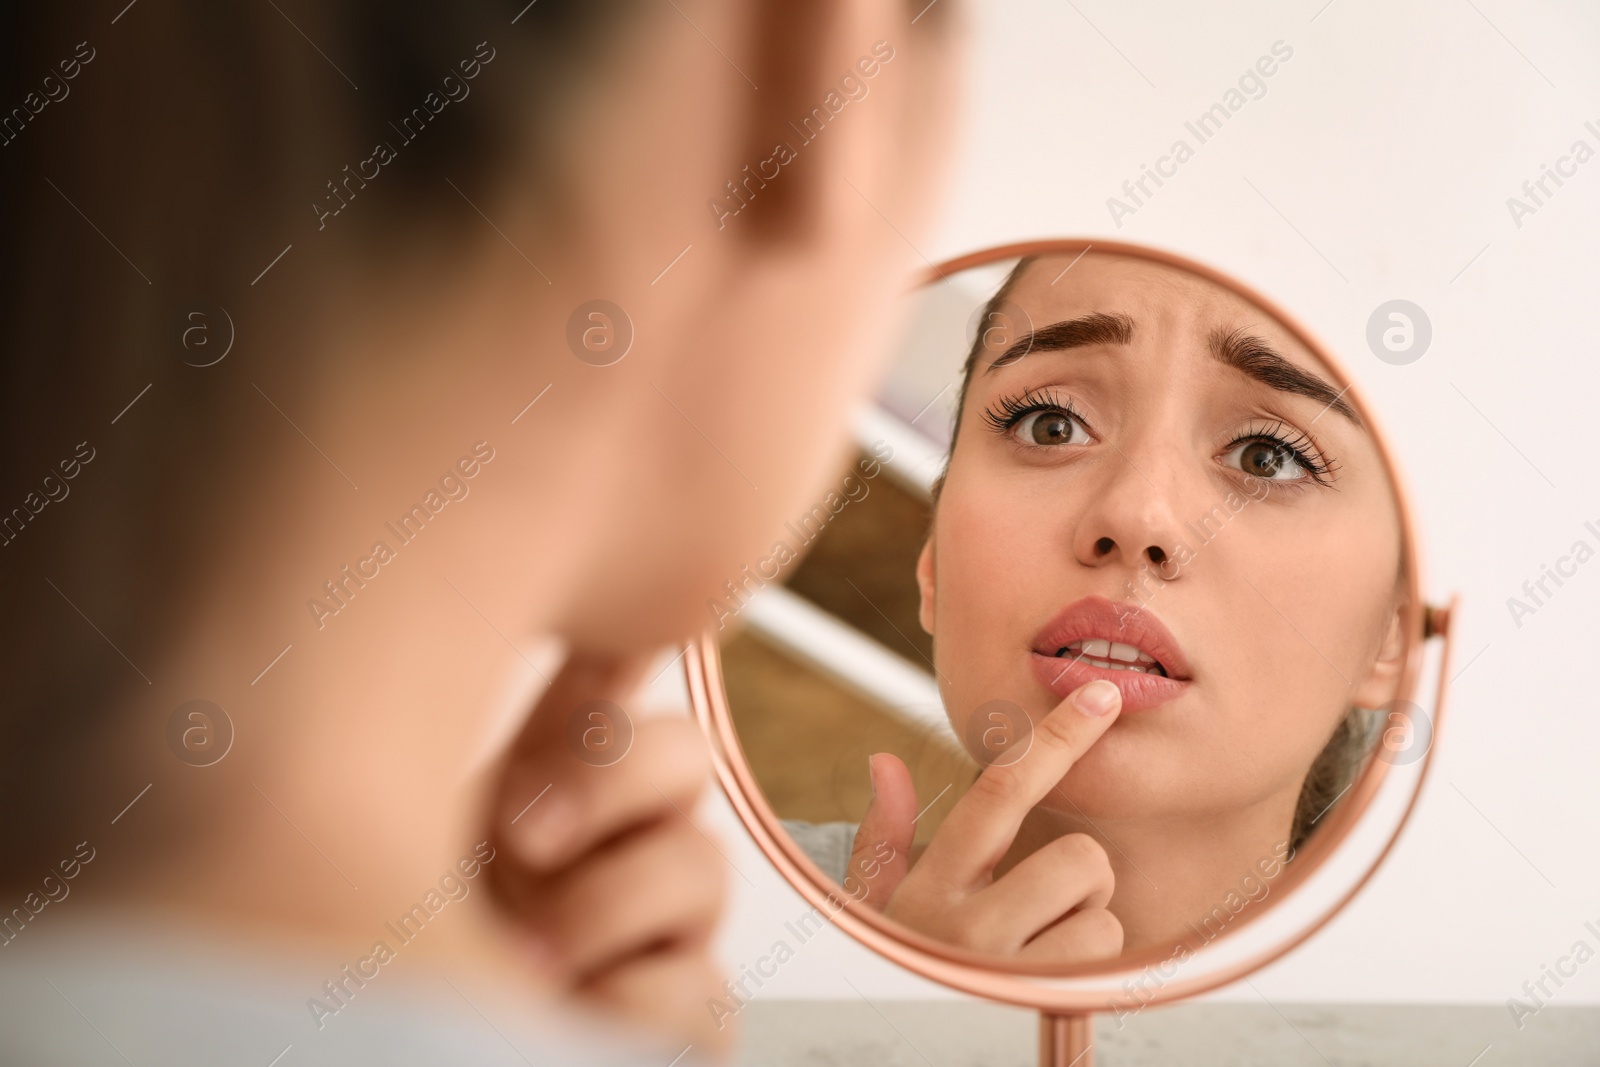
{"x":1389,"y":143}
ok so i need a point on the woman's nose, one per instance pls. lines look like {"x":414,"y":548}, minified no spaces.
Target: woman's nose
{"x":1130,"y":523}
{"x":1106,"y":546}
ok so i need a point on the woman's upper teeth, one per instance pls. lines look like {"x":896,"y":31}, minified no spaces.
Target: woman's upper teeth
{"x":1102,"y":649}
{"x":1112,"y":655}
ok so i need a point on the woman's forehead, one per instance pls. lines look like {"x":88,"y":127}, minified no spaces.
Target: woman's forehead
{"x":1156,"y":296}
{"x":1056,"y":282}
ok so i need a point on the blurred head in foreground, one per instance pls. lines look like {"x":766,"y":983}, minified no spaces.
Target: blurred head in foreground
{"x":351,"y":349}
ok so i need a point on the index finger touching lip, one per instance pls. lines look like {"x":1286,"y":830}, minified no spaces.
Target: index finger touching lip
{"x":984,"y":822}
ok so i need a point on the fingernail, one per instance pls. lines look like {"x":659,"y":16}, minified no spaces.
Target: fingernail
{"x":872,"y":775}
{"x":1098,"y":698}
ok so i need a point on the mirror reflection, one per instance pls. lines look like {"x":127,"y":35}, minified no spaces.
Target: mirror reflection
{"x":1096,"y":630}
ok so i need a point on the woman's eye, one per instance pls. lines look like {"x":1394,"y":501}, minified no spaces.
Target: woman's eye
{"x":1049,"y":427}
{"x":1267,"y":459}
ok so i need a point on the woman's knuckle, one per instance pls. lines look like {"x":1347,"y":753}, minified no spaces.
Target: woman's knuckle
{"x":1101,"y":930}
{"x":1058,"y":730}
{"x":1083,"y":851}
{"x":998,"y":785}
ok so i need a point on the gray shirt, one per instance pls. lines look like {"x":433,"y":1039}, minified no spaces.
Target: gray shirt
{"x":149,"y":1001}
{"x":827,"y":843}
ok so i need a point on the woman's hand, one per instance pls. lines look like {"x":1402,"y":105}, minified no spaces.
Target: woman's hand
{"x":613,"y":892}
{"x":1052,"y":905}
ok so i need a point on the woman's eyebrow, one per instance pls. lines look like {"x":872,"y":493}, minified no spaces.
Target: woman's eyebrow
{"x":1098,"y":328}
{"x":1243,"y":351}
{"x":1254,"y":357}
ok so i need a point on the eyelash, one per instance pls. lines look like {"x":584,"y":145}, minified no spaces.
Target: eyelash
{"x":1006,"y":412}
{"x":1297,"y":444}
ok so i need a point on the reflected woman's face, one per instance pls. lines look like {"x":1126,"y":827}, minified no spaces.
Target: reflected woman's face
{"x":1159,"y":485}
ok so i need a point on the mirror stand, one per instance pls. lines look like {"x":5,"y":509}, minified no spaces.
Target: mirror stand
{"x":1066,"y":1040}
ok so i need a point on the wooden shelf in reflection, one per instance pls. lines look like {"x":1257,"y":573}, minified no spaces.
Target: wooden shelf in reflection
{"x":806,"y":730}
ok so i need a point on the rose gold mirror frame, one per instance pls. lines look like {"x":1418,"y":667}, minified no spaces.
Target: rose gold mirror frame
{"x":1066,"y":1014}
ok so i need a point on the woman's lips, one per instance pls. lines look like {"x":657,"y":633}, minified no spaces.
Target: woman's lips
{"x":1096,"y":619}
{"x":1061,"y":675}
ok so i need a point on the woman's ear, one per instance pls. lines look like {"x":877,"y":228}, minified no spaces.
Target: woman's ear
{"x":925,"y":586}
{"x":1378,"y":687}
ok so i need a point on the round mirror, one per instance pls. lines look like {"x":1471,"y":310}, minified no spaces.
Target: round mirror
{"x":1091,"y":683}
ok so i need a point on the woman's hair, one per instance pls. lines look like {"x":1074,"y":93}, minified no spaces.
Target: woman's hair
{"x":1331,"y":773}
{"x":991,"y":308}
{"x":187,"y":157}
{"x":1336,"y":765}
